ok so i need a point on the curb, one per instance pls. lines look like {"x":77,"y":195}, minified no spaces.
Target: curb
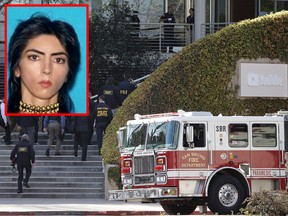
{"x":82,"y":213}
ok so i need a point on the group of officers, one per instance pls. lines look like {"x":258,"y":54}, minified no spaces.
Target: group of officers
{"x":110,"y":97}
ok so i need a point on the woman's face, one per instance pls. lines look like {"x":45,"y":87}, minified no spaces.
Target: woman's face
{"x":43,"y":68}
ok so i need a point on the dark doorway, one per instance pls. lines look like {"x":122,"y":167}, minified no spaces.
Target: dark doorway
{"x":244,"y":9}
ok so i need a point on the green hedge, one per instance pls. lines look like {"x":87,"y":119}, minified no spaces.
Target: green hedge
{"x":199,"y":77}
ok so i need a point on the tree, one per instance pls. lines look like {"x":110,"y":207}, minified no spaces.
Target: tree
{"x":116,"y":49}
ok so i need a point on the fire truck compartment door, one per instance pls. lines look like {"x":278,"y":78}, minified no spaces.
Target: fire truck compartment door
{"x":265,"y":157}
{"x":191,"y":187}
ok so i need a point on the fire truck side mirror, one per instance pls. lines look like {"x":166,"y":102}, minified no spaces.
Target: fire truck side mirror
{"x":189,"y":134}
{"x":120,"y":136}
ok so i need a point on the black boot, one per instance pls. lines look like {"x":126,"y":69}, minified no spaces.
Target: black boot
{"x":47,"y":153}
{"x":75,"y":154}
{"x":26,"y":184}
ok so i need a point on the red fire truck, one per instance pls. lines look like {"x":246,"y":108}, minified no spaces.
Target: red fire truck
{"x":187,"y":159}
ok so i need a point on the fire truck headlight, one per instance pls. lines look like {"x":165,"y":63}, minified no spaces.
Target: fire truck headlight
{"x":127,"y":181}
{"x":161,"y":179}
{"x":168,"y":192}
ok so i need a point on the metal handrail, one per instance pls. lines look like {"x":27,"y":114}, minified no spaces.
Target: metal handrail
{"x":137,"y":82}
{"x":210,"y":28}
{"x":157,"y":36}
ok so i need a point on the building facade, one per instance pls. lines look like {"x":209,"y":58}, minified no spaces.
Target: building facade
{"x":210,"y":15}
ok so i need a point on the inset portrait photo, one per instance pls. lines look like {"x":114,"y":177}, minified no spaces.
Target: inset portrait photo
{"x":46,"y":55}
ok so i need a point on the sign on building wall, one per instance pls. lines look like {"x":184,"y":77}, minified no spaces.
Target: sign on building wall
{"x":263,"y":80}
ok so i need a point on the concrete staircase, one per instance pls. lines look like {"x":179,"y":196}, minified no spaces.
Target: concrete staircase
{"x":63,"y":176}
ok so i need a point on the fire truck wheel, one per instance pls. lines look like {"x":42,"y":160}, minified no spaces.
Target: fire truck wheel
{"x":174,"y":209}
{"x":226,"y":195}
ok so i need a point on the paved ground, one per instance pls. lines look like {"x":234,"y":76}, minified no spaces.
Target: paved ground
{"x":25,"y":206}
{"x":88,"y":207}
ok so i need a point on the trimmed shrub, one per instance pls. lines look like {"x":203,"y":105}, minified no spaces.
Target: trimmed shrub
{"x":272,"y":203}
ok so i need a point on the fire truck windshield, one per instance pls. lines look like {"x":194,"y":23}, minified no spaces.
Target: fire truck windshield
{"x":156,"y":135}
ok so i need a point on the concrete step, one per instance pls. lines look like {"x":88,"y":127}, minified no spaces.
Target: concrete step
{"x":8,"y":148}
{"x":54,"y":179}
{"x":68,"y":161}
{"x":59,"y":174}
{"x":54,"y":189}
{"x":96,"y":184}
{"x":48,"y":169}
{"x":27,"y":194}
{"x":69,"y":156}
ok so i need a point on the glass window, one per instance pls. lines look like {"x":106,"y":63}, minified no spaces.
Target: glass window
{"x":282,"y":5}
{"x":266,"y":7}
{"x":163,"y":135}
{"x":238,"y":135}
{"x":136,"y":135}
{"x":160,"y":135}
{"x":199,"y":136}
{"x":264,"y":135}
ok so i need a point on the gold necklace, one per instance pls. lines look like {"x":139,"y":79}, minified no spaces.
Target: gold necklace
{"x":28,"y":108}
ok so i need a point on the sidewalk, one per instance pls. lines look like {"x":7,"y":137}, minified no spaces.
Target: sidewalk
{"x":26,"y":206}
{"x":86,"y":207}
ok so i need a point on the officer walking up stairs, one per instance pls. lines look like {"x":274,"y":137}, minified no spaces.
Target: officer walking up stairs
{"x":24,"y":155}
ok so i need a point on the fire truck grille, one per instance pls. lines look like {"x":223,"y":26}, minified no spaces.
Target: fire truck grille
{"x":144,"y":165}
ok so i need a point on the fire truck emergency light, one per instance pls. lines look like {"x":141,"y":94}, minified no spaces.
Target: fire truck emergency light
{"x":178,"y":113}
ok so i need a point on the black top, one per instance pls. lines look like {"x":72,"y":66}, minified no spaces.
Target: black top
{"x":103,"y":114}
{"x":25,"y":153}
{"x":111,"y":93}
{"x":168,"y":18}
{"x":27,"y":121}
{"x":190,"y":19}
{"x":82,"y":123}
{"x":125,"y":88}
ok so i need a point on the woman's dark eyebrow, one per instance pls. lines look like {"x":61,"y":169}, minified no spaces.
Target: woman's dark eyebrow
{"x":42,"y":53}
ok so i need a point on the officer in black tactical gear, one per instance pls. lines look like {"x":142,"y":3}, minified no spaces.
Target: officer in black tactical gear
{"x":103,"y":116}
{"x":125,"y":88}
{"x":25,"y":158}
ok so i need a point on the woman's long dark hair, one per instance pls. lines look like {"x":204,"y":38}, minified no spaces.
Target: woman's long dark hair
{"x":39,"y":24}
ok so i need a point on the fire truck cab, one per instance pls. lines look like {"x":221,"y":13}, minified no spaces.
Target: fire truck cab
{"x":187,"y":159}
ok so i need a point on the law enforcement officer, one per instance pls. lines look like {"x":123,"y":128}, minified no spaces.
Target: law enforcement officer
{"x":4,"y":122}
{"x":24,"y":154}
{"x":111,"y":93}
{"x":168,"y":18}
{"x":26,"y":125}
{"x":54,"y":126}
{"x":103,"y":117}
{"x":125,"y":88}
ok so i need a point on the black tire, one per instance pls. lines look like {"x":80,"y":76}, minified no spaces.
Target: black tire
{"x":174,"y":209}
{"x":226,"y":195}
